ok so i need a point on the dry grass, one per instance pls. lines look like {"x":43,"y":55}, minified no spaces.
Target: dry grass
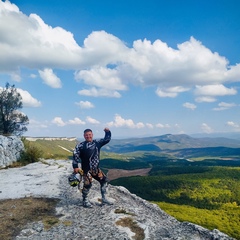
{"x":16,"y":213}
{"x":132,"y":225}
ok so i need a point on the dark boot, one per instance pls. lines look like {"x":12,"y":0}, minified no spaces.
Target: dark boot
{"x":103,"y":193}
{"x":86,"y":202}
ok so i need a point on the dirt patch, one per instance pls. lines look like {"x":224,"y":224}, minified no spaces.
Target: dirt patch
{"x":16,"y":213}
{"x":130,"y":223}
{"x":118,"y":173}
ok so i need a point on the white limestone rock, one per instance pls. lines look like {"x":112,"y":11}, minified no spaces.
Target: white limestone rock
{"x":10,"y":150}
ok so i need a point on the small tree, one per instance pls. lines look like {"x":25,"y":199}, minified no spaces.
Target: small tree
{"x":12,"y":121}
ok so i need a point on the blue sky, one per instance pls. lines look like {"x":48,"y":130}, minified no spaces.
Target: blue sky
{"x":141,"y":68}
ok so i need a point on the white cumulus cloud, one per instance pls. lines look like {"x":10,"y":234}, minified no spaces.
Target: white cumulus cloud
{"x":171,"y":91}
{"x":224,"y":106}
{"x":190,"y":105}
{"x":235,"y":126}
{"x":50,"y":78}
{"x":121,"y":122}
{"x":205,"y":128}
{"x":92,"y":120}
{"x":160,"y":125}
{"x":208,"y":93}
{"x":28,"y":100}
{"x":104,"y":80}
{"x":149,"y":125}
{"x":58,"y":121}
{"x":214,"y":90}
{"x":101,"y":77}
{"x":76,"y":121}
{"x":99,"y":92}
{"x":205,"y":99}
{"x":27,"y":41}
{"x":85,"y":104}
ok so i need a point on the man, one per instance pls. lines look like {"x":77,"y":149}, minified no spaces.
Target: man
{"x":88,"y":152}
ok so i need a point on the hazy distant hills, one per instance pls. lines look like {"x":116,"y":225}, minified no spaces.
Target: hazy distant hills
{"x":171,"y":143}
{"x":181,"y":146}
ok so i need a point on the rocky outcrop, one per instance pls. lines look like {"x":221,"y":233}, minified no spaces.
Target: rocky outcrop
{"x":49,"y":179}
{"x":10,"y":149}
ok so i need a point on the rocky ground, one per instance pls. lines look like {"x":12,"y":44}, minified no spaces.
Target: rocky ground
{"x":130,"y":217}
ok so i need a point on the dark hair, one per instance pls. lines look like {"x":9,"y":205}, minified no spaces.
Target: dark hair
{"x":87,"y":130}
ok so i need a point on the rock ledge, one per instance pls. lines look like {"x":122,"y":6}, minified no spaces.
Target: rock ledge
{"x":49,"y":179}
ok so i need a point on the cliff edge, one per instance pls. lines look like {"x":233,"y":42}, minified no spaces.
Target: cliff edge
{"x":130,"y":217}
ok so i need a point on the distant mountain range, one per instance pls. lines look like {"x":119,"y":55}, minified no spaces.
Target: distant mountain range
{"x":176,"y":144}
{"x":180,"y":146}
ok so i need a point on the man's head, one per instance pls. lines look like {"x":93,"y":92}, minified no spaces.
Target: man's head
{"x":88,"y":135}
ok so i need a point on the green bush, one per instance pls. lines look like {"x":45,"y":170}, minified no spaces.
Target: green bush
{"x":30,"y":154}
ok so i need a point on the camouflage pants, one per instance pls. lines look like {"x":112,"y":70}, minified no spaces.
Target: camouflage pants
{"x":87,"y":182}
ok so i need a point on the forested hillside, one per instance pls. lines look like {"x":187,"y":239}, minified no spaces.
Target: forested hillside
{"x":205,"y":192}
